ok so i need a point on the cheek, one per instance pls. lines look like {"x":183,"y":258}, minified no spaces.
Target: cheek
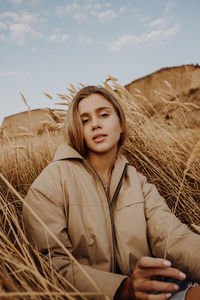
{"x":85,"y":132}
{"x":118,"y":126}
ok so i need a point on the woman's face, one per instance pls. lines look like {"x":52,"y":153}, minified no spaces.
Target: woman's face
{"x":101,"y":124}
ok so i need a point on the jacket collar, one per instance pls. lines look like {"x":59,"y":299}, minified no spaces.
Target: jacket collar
{"x":117,"y":173}
{"x":64,"y":151}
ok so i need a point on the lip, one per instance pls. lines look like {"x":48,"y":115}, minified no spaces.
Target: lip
{"x":99,"y":137}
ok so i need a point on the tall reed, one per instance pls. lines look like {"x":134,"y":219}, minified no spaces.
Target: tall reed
{"x":161,"y":148}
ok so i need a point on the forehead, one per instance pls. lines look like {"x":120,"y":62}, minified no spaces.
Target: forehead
{"x":93,"y":102}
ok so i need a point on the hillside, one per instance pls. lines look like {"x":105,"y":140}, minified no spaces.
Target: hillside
{"x":183,"y":79}
{"x":171,"y":85}
{"x":170,"y":95}
{"x":36,"y":120}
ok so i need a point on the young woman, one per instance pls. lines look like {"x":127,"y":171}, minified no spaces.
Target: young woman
{"x":106,"y":214}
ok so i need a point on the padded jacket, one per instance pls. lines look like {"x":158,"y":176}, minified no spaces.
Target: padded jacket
{"x":102,"y":231}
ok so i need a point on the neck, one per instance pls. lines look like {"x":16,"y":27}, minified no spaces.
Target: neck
{"x":103,"y":164}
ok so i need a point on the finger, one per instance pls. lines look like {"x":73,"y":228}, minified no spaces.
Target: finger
{"x":144,"y":296}
{"x":151,"y":272}
{"x":153,"y":262}
{"x":159,"y":297}
{"x":156,"y":286}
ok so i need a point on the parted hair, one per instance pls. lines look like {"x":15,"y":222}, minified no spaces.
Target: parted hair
{"x":73,"y":124}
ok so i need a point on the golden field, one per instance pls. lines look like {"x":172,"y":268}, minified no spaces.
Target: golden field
{"x":163,"y":143}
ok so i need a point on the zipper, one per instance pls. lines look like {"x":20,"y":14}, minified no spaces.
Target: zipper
{"x":110,"y":204}
{"x":111,"y":216}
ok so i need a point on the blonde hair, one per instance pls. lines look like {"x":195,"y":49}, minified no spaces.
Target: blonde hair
{"x":73,"y":124}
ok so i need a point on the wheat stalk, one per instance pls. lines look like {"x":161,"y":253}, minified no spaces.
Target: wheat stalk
{"x":197,"y":228}
{"x":29,"y":112}
{"x":158,"y":150}
{"x":49,"y":96}
{"x":195,"y":153}
{"x":73,"y":259}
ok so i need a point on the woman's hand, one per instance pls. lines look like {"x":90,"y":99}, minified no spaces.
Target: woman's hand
{"x":142,"y":281}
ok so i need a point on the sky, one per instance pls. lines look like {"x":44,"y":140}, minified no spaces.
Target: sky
{"x":47,"y":44}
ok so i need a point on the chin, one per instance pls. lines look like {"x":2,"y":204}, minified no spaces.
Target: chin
{"x":102,"y":149}
{"x":99,"y":151}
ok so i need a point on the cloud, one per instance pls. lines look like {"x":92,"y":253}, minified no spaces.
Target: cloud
{"x":8,"y":74}
{"x":172,"y":31}
{"x":97,"y":6}
{"x":58,"y":37}
{"x":19,"y":25}
{"x":12,"y":73}
{"x":122,"y":9}
{"x":156,"y":32}
{"x":3,"y":25}
{"x":60,"y":57}
{"x":22,"y":17}
{"x":35,"y":1}
{"x":28,"y":18}
{"x":106,"y":15}
{"x":19,"y":31}
{"x":15,"y":2}
{"x":125,"y":41}
{"x":74,"y":10}
{"x":159,"y":22}
{"x":18,"y":2}
{"x":169,"y":5}
{"x":81,"y":11}
{"x":9,"y":15}
{"x":82,"y":39}
{"x":156,"y":36}
{"x":2,"y":37}
{"x":153,"y":36}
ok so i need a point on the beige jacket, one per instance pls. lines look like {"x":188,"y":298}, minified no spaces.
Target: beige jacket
{"x":99,"y":230}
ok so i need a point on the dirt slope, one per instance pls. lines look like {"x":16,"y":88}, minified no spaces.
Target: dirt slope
{"x":171,"y":95}
{"x":181,"y":83}
{"x":25,"y":122}
{"x":182,"y":79}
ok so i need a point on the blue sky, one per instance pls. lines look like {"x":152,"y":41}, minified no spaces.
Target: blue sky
{"x":45,"y":45}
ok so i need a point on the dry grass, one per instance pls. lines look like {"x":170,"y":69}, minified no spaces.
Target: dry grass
{"x":34,"y":279}
{"x":167,"y":155}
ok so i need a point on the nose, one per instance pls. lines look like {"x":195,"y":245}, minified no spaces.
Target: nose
{"x":96,"y":123}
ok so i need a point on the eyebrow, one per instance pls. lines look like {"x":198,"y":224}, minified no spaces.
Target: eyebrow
{"x":96,"y":110}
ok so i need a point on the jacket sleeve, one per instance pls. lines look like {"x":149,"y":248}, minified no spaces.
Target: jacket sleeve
{"x":45,"y":197}
{"x":183,"y":245}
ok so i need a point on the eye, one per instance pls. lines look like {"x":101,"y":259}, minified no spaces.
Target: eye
{"x":85,"y":121}
{"x":104,"y":115}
